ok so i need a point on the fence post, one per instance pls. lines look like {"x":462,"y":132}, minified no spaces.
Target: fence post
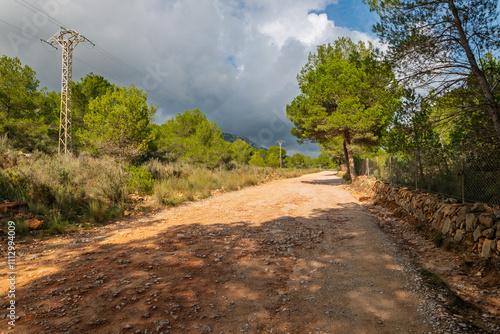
{"x":463,"y":173}
{"x":416,"y":170}
{"x":390,"y":168}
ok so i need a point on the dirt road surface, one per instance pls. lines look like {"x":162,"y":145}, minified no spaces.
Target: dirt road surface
{"x":290,"y":256}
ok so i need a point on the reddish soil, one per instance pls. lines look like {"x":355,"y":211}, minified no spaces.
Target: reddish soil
{"x":290,"y":256}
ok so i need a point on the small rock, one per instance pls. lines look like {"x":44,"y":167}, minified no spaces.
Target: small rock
{"x":127,"y":327}
{"x":470,"y":222}
{"x":34,"y":223}
{"x":479,"y":207}
{"x":459,"y":235}
{"x":477,"y":232}
{"x":486,"y":219}
{"x":489,"y":246}
{"x":489,"y":233}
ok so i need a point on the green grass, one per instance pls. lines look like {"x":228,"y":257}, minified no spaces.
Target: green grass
{"x":55,"y":225}
{"x":433,"y":278}
{"x":97,"y":211}
{"x":21,"y":227}
{"x":37,"y":208}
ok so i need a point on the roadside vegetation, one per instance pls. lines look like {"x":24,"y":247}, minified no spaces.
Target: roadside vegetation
{"x":64,"y":192}
{"x":122,"y":162}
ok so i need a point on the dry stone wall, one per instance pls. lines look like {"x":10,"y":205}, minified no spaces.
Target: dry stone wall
{"x":474,"y":225}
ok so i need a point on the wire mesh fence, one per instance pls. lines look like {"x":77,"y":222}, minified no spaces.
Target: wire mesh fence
{"x":466,"y":172}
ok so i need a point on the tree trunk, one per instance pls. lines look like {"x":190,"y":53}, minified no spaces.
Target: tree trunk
{"x":493,"y":107}
{"x":349,"y":157}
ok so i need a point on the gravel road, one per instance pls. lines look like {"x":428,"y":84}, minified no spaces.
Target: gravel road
{"x":290,"y":256}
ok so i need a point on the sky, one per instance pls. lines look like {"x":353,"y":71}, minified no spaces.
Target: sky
{"x":235,"y":60}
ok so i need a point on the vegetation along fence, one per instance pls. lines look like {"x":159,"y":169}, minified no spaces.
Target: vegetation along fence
{"x":465,"y":172}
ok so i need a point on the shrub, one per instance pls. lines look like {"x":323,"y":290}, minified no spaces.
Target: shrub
{"x":116,"y":210}
{"x":56,"y":225}
{"x":159,"y":170}
{"x":112,"y":184}
{"x":11,"y":186}
{"x":165,"y":194}
{"x":21,"y":227}
{"x":140,"y":180}
{"x":37,"y":208}
{"x":97,"y":211}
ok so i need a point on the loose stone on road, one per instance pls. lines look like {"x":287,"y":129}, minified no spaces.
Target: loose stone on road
{"x":290,"y":256}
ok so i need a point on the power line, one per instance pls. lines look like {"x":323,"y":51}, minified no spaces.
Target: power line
{"x":80,"y":60}
{"x":13,"y":26}
{"x":37,"y":10}
{"x":101,"y":71}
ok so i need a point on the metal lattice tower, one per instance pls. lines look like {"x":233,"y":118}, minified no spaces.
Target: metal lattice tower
{"x":68,"y":39}
{"x":280,"y":142}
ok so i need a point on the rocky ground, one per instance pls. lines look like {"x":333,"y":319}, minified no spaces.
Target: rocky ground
{"x":466,"y":286}
{"x":290,"y":256}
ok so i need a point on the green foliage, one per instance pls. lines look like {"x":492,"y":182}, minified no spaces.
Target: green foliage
{"x":18,"y":88}
{"x":325,"y":159}
{"x":241,"y":151}
{"x":56,"y":225}
{"x":190,"y":137}
{"x":257,"y":160}
{"x":297,"y":160}
{"x":140,"y":180}
{"x":21,"y":227}
{"x":273,"y":156}
{"x":97,"y":210}
{"x":346,"y":91}
{"x":440,"y":43}
{"x":118,"y":124}
{"x":82,"y":92}
{"x":11,"y":186}
{"x":25,"y":116}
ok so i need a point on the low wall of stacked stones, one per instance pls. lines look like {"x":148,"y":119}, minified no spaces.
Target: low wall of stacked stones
{"x":476,"y":226}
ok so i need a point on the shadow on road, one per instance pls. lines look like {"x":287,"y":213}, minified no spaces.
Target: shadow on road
{"x":197,"y":278}
{"x":328,"y":182}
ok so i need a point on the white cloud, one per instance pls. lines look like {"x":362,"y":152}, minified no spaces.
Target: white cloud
{"x":307,"y":31}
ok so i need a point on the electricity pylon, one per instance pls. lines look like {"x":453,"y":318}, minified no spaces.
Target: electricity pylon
{"x":280,"y":142}
{"x":68,"y":39}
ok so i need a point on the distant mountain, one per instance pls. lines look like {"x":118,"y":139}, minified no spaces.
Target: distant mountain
{"x":232,"y":138}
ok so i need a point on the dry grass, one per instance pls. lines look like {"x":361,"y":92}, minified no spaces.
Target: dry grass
{"x":63,"y":189}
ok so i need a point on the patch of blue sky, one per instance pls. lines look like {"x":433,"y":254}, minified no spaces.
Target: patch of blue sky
{"x":351,"y":14}
{"x":231,"y":60}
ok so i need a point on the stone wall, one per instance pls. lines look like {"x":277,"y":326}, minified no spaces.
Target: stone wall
{"x":474,"y":225}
